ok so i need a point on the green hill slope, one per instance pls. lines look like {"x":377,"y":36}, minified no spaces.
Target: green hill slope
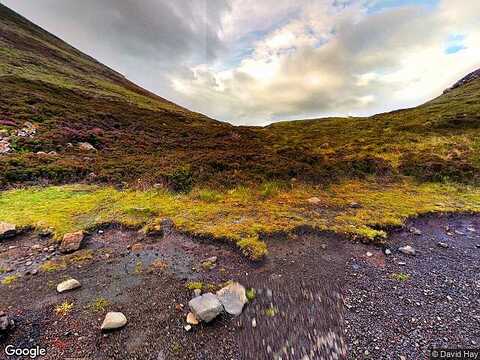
{"x":54,"y":98}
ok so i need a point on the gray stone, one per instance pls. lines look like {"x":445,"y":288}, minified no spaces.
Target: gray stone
{"x":206,"y":307}
{"x":68,"y":285}
{"x":7,"y":230}
{"x":388,"y":252}
{"x":233,"y":298}
{"x":443,"y":245}
{"x":71,"y":242}
{"x":415,"y":231}
{"x":197,"y":292}
{"x":408,"y":250}
{"x":114,"y":320}
{"x":5,"y":323}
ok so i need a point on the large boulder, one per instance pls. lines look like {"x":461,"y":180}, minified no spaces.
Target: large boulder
{"x":114,"y":320}
{"x":206,"y":307}
{"x":71,"y":242}
{"x":233,"y":298}
{"x":7,"y":230}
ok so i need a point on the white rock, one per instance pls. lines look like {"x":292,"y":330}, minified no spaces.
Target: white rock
{"x":191,"y":319}
{"x":114,"y":320}
{"x":187,"y":327}
{"x":68,"y":285}
{"x":314,"y":201}
{"x":206,"y":307}
{"x":7,"y":230}
{"x":388,"y":252}
{"x":85,"y":146}
{"x":233,"y":298}
{"x":369,"y":254}
{"x":408,"y":250}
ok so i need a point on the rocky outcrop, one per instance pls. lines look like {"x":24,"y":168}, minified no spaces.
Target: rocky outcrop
{"x":464,"y":81}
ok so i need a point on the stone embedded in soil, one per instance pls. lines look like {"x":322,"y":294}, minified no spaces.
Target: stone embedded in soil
{"x":408,"y":250}
{"x":369,"y":254}
{"x":388,"y":252}
{"x":192,"y":319}
{"x":415,"y":231}
{"x":443,"y":245}
{"x":314,"y":201}
{"x":197,"y":292}
{"x":5,"y":323}
{"x":206,"y":307}
{"x":85,"y":146}
{"x":7,"y":230}
{"x":71,"y":242}
{"x":68,"y":285}
{"x":114,"y":320}
{"x":233,"y":298}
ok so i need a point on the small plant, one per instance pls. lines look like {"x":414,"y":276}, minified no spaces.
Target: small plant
{"x":181,"y":180}
{"x":64,"y":308}
{"x":2,"y":271}
{"x":271,"y":311}
{"x":8,"y":280}
{"x":251,"y":294}
{"x":138,"y":267}
{"x":194,"y":285}
{"x":99,"y":304}
{"x":208,"y":265}
{"x":401,"y":277}
{"x":253,"y":248}
{"x":82,"y":256}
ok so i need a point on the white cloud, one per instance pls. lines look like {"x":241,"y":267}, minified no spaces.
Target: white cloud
{"x":254,"y":62}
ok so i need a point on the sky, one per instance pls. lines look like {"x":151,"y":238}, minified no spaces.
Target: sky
{"x":252,"y":62}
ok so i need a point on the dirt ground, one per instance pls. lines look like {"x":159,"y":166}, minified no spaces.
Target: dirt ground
{"x":319,"y":296}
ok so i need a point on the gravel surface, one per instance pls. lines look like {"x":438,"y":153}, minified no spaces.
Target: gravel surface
{"x":318,"y":296}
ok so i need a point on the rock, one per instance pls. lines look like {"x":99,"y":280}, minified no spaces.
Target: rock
{"x":206,"y":307}
{"x":369,"y":254}
{"x":7,"y":230}
{"x":191,"y":319}
{"x":401,"y":263}
{"x":388,"y":252}
{"x":355,"y":205}
{"x":114,"y":320}
{"x":212,"y":259}
{"x":443,"y":245}
{"x":137,"y":247}
{"x":254,"y":323}
{"x":415,"y":231}
{"x":68,"y":285}
{"x":85,"y":146}
{"x":233,"y":298}
{"x":37,"y":247}
{"x":5,"y":323}
{"x":187,"y":327}
{"x":71,"y":242}
{"x":5,"y":146}
{"x":53,"y":153}
{"x":197,"y":292}
{"x":408,"y":250}
{"x":314,"y":201}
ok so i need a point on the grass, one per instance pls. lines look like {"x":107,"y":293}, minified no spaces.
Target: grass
{"x":243,"y":220}
{"x":251,"y":294}
{"x":194,"y":285}
{"x":271,"y":311}
{"x":53,"y":265}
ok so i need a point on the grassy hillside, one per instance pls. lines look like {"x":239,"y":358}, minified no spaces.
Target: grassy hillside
{"x":143,"y":139}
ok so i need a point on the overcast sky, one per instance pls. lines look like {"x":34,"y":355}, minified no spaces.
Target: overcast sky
{"x":258,"y":61}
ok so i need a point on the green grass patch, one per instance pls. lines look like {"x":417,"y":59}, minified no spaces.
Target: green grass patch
{"x":9,"y":280}
{"x":402,"y":277}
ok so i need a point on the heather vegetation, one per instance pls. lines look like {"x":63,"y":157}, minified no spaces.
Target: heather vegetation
{"x":66,"y":119}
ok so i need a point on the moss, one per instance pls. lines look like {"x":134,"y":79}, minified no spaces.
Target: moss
{"x":81,"y":256}
{"x":53,"y":265}
{"x":9,"y":280}
{"x":251,"y":294}
{"x":271,"y":311}
{"x":194,"y":285}
{"x":99,"y":305}
{"x":400,"y":277}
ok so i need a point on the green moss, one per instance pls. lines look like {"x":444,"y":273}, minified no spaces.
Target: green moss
{"x":9,"y":280}
{"x":53,"y":265}
{"x":194,"y":285}
{"x":99,"y":304}
{"x":271,"y":311}
{"x":251,"y":294}
{"x":400,"y":277}
{"x":64,"y":308}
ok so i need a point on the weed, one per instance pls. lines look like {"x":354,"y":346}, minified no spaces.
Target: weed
{"x":99,"y":305}
{"x":251,"y":294}
{"x":64,"y":308}
{"x":53,"y":265}
{"x":194,"y":285}
{"x":271,"y":311}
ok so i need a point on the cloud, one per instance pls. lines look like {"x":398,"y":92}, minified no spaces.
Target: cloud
{"x":254,"y":62}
